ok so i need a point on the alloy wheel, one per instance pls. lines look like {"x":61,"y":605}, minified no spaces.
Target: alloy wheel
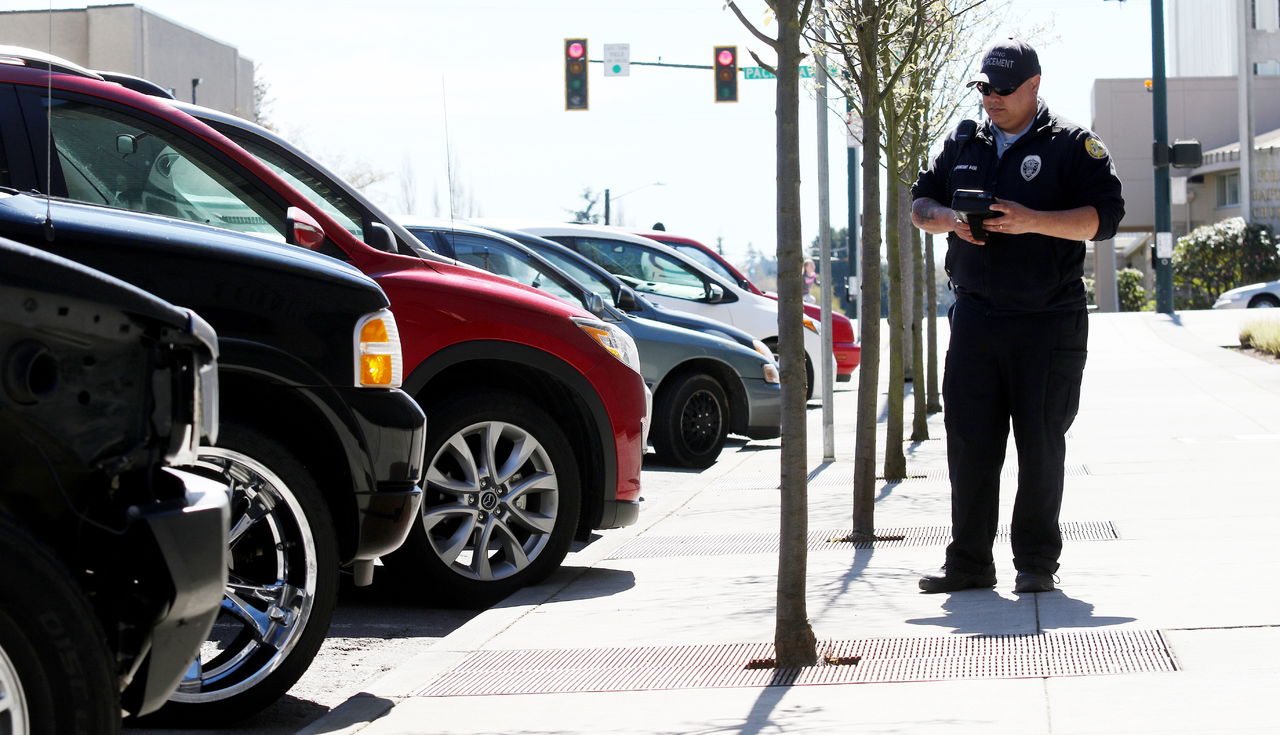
{"x":14,"y":716}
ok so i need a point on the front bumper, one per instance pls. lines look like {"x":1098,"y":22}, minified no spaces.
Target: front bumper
{"x":764,"y":408}
{"x":192,"y":540}
{"x":395,"y":434}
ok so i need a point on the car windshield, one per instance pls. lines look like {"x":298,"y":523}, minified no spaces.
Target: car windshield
{"x":313,"y":187}
{"x":585,"y":276}
{"x":711,"y":263}
{"x":643,"y":269}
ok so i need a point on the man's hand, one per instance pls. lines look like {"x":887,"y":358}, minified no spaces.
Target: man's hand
{"x":932,"y":217}
{"x":1080,"y":223}
{"x":1014,"y":218}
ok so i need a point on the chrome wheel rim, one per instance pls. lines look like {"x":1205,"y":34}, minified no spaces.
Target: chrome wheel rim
{"x":700,"y":422}
{"x":271,"y":588}
{"x":492,"y":498}
{"x":14,"y":716}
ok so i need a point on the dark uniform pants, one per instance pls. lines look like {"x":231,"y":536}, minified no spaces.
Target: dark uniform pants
{"x":1023,"y":368}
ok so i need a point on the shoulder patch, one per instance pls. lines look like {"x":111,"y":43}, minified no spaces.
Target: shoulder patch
{"x":1095,"y":148}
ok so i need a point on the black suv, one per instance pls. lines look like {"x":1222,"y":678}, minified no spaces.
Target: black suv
{"x":323,"y":454}
{"x":113,"y":564}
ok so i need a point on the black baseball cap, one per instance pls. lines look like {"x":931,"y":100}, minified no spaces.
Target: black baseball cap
{"x":1007,"y":65}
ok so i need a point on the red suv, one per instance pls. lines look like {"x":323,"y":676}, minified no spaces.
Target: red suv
{"x":536,"y":411}
{"x":848,"y":352}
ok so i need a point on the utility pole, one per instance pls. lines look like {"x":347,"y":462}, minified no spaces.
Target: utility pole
{"x":1244,"y":105}
{"x":854,"y":251}
{"x":1160,"y":149}
{"x":824,"y":243}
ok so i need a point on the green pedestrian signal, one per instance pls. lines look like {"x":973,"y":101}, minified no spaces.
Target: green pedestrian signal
{"x":575,"y":74}
{"x":726,"y":68}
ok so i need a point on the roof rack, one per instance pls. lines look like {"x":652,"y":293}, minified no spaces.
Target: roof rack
{"x":19,"y":56}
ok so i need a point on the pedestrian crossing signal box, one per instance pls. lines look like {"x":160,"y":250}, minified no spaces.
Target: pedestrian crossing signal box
{"x":575,"y":74}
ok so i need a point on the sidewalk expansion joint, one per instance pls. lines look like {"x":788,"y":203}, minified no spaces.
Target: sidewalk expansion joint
{"x":644,"y":547}
{"x":858,"y":661}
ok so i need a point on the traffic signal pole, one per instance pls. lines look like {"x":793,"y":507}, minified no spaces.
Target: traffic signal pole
{"x":1160,"y":125}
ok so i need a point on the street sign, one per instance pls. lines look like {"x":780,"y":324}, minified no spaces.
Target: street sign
{"x":759,"y":72}
{"x":617,"y":59}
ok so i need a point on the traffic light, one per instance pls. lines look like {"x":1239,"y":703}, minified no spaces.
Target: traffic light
{"x":575,"y":74}
{"x":726,"y":73}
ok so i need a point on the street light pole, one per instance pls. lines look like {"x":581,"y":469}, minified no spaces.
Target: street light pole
{"x":1160,"y":126}
{"x":608,"y":199}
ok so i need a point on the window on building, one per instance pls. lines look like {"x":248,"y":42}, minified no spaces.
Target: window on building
{"x":1229,"y":190}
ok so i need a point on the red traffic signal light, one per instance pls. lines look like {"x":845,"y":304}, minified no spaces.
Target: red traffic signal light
{"x":726,"y":68}
{"x":575,"y":74}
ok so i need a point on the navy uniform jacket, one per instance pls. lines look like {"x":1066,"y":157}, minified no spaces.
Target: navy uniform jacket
{"x":1055,"y":165}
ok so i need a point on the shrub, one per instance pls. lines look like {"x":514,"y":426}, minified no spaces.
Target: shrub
{"x":1261,"y":334}
{"x":1133,"y":297}
{"x":1220,"y":257}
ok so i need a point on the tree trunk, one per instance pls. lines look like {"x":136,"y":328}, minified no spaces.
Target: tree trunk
{"x":920,"y":425}
{"x":864,"y":463}
{"x":931,"y":294}
{"x":794,"y":640}
{"x":895,"y":463}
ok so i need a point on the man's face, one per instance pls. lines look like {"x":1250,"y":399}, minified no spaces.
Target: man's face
{"x":1012,"y":113}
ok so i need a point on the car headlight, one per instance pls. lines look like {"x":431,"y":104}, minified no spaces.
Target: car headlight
{"x":771,"y":374}
{"x":379,"y":363}
{"x":612,"y":338}
{"x":763,"y":349}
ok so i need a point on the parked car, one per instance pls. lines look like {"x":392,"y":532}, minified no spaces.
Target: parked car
{"x":321,"y":451}
{"x":612,"y":290}
{"x":848,"y":352}
{"x":672,"y":279}
{"x":485,"y":356}
{"x":1254,"y":296}
{"x":703,"y":386}
{"x":114,"y":561}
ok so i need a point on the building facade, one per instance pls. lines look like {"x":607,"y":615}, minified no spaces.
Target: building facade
{"x":130,"y":39}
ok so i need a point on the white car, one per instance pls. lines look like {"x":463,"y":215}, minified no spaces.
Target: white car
{"x":1254,"y":296}
{"x":674,"y":280}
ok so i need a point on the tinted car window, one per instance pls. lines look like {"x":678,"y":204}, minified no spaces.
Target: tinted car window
{"x":582,"y":275}
{"x":500,"y":258}
{"x":112,"y":158}
{"x":334,"y":203}
{"x":644,"y":270}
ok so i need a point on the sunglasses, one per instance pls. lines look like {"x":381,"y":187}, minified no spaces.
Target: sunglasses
{"x":986,"y":89}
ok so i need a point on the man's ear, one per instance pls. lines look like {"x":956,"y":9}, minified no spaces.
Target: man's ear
{"x":1035,"y":84}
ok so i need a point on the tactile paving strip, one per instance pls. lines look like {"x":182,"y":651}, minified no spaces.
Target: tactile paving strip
{"x":646,"y":547}
{"x":841,"y":476}
{"x":880,"y":660}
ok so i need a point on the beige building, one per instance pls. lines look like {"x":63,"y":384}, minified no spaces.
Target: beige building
{"x":133,"y":40}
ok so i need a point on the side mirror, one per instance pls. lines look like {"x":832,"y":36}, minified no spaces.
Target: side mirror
{"x":715,"y":293}
{"x":302,"y":229}
{"x":126,"y":145}
{"x":626,"y":299}
{"x":380,"y":237}
{"x":594,"y":303}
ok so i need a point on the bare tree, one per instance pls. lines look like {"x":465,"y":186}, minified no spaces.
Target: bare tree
{"x":794,"y":640}
{"x":590,"y":200}
{"x":408,"y":187}
{"x":262,"y":98}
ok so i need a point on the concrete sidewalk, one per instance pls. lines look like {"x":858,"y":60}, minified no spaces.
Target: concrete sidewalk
{"x":1166,"y":620}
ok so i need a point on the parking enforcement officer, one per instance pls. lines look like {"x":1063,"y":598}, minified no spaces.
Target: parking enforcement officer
{"x":1019,"y":326}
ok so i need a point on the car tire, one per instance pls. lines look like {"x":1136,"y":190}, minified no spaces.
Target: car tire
{"x":56,"y":672}
{"x":690,"y":421}
{"x":1264,"y":301}
{"x":267,"y":633}
{"x":523,"y":516}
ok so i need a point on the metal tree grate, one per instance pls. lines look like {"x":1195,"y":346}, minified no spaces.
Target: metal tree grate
{"x":762,"y":543}
{"x":879,"y":660}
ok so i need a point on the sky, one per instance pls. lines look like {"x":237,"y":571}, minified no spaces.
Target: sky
{"x":472,"y":90}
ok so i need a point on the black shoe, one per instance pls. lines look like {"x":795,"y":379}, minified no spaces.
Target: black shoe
{"x":1028,"y":582}
{"x":950,"y":581}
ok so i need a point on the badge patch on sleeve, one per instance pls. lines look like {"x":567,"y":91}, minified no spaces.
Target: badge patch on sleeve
{"x":1095,"y":148}
{"x":1030,"y":167}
